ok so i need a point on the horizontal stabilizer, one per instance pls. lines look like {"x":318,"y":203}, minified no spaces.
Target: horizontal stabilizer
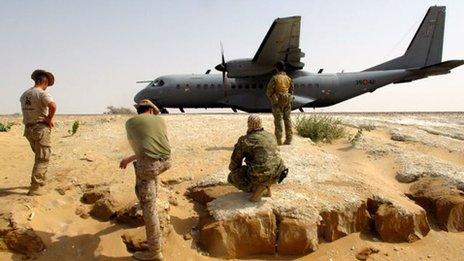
{"x":432,"y":70}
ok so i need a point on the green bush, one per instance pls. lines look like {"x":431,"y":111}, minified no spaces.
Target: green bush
{"x":319,"y":128}
{"x":74,"y":128}
{"x":7,"y":127}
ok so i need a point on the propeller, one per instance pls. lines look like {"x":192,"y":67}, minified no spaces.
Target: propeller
{"x":222,"y":67}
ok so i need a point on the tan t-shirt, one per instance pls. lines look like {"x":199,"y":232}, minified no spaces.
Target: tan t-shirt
{"x":34,"y":105}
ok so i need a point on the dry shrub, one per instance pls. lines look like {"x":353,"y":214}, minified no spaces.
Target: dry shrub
{"x":118,"y":110}
{"x":319,"y":128}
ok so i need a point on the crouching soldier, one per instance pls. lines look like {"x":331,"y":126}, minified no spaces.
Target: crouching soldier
{"x":263,"y":168}
{"x":38,"y":108}
{"x":147,"y":135}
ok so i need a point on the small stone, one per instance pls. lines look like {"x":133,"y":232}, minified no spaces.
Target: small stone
{"x":429,"y":256}
{"x":396,"y":248}
{"x":352,"y":248}
{"x":187,"y":236}
{"x":173,"y":201}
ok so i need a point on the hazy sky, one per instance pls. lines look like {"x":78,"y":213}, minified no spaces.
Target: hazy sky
{"x":99,"y":49}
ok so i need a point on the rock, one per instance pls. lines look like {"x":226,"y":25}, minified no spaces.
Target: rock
{"x":397,"y":224}
{"x":132,"y":215}
{"x":341,"y":222}
{"x":105,"y":208}
{"x":240,"y":236}
{"x":398,"y":135}
{"x":173,"y":201}
{"x":23,"y":241}
{"x":135,"y":241}
{"x":296,"y":237}
{"x":93,"y":195}
{"x":83,"y":212}
{"x":204,"y":195}
{"x":187,"y":236}
{"x":442,"y":199}
{"x":366,"y":252}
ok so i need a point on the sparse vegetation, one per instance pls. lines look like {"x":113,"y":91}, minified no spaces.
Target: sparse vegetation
{"x":357,"y":137}
{"x":319,"y":128}
{"x":6,"y":127}
{"x":118,"y":110}
{"x":74,"y":128}
{"x":367,"y":127}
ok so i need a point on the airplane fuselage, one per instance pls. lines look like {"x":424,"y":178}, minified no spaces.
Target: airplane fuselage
{"x":249,"y":94}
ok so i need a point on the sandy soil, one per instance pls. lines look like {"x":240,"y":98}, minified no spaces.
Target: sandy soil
{"x":202,"y":145}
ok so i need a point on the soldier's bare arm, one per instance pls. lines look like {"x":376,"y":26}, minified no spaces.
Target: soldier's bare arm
{"x":126,"y":161}
{"x":51,"y":114}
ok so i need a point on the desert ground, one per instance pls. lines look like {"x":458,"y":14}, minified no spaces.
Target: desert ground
{"x":339,"y":199}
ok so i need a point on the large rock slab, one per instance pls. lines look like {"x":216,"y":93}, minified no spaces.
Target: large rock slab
{"x":395,"y":223}
{"x":297,"y":237}
{"x":442,"y":199}
{"x":240,"y":236}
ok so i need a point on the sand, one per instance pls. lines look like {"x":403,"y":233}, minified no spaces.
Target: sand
{"x":202,"y":145}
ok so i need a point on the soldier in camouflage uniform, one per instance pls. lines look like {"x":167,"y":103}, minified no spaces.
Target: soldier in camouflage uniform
{"x":148,"y":137}
{"x":279,"y":91}
{"x":38,"y":109}
{"x":264,"y":166}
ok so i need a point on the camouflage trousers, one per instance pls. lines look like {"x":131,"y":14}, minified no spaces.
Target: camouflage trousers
{"x":146,"y":187}
{"x":38,"y":136}
{"x":281,"y":109}
{"x":242,"y":179}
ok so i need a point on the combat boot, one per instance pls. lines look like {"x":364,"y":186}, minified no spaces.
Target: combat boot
{"x":287,"y":142}
{"x":35,"y":190}
{"x":148,"y":255}
{"x":257,"y":194}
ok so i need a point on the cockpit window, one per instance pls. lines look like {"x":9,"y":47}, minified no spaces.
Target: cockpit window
{"x":158,"y":83}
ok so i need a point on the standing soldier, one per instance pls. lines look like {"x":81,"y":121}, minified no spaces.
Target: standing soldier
{"x":38,"y":109}
{"x":263,"y":168}
{"x":279,"y":91}
{"x":147,"y":135}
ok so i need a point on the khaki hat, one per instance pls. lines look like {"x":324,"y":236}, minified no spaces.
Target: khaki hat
{"x":40,"y":73}
{"x":148,"y":103}
{"x":254,"y":123}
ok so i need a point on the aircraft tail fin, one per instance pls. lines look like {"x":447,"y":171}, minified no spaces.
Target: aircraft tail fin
{"x":425,"y":48}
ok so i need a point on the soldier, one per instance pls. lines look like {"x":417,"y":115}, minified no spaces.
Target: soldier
{"x":147,"y":136}
{"x":279,"y":91}
{"x":263,"y":168}
{"x":38,"y":109}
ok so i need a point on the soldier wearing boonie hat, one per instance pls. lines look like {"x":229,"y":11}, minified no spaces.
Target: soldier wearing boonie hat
{"x":147,"y":135}
{"x":38,"y":109}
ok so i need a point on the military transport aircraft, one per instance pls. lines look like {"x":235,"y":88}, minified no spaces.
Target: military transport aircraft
{"x":243,"y":81}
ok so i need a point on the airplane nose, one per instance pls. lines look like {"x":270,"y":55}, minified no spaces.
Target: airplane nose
{"x":140,"y":96}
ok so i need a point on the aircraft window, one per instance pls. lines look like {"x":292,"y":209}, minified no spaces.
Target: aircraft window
{"x":187,"y":85}
{"x":310,"y":85}
{"x":240,"y":86}
{"x":296,"y":85}
{"x":317,"y":85}
{"x":253,"y":86}
{"x":178,"y":86}
{"x":233,"y":86}
{"x":247,"y":86}
{"x":158,"y":83}
{"x":212,"y":86}
{"x":198,"y":85}
{"x":205,"y":86}
{"x":261,"y":85}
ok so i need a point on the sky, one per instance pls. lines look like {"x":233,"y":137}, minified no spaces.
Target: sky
{"x":99,"y":49}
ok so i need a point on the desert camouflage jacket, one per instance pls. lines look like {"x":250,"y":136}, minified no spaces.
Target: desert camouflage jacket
{"x":260,"y":151}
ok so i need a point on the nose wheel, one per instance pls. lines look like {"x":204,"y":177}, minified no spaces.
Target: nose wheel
{"x":164,"y":111}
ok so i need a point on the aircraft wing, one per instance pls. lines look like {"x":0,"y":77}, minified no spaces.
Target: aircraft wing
{"x":281,"y":43}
